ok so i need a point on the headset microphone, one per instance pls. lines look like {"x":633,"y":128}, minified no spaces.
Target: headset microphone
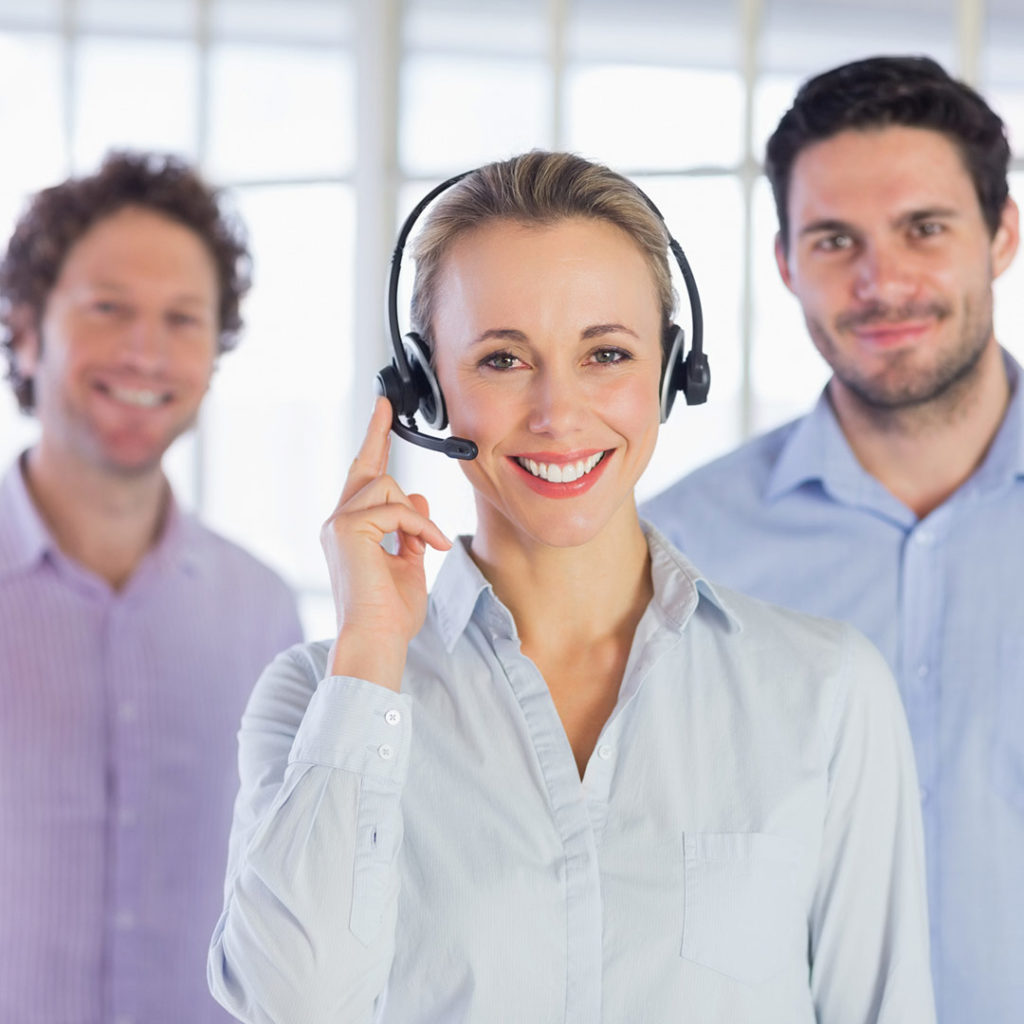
{"x":453,"y":447}
{"x":410,"y":384}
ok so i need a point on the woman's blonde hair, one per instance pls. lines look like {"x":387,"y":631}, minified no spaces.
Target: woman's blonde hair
{"x":536,"y":188}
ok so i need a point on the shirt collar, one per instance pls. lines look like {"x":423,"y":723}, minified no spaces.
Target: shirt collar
{"x":816,"y":451}
{"x":461,"y":591}
{"x":456,"y":592}
{"x":25,"y":538}
{"x":1005,"y":459}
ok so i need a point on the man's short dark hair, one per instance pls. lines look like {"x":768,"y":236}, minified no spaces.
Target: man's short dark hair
{"x":913,"y":92}
{"x":56,"y":218}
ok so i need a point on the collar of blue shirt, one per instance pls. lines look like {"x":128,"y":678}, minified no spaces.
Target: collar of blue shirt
{"x":817,"y":452}
{"x":679,"y":590}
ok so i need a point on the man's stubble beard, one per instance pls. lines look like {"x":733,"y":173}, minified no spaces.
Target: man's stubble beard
{"x":905,"y":388}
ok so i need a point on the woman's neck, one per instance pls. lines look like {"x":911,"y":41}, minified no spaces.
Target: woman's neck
{"x":570,"y":596}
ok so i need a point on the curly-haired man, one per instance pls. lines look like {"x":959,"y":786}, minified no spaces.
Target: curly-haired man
{"x":130,"y":635}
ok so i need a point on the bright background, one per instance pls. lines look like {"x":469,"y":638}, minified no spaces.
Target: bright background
{"x":327,"y":119}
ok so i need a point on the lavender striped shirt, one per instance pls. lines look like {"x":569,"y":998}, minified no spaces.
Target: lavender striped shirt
{"x":118,"y":714}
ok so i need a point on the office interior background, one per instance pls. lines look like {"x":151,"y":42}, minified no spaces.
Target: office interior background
{"x":328,"y":119}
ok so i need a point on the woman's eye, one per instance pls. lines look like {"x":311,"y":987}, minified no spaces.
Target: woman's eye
{"x":500,"y":361}
{"x":610,"y":355}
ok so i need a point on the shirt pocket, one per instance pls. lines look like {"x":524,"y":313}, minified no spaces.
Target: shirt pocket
{"x":741,"y":905}
{"x":379,"y":830}
{"x":1008,"y":734}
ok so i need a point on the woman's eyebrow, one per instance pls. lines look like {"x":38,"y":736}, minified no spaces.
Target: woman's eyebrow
{"x":599,"y":330}
{"x":499,"y":334}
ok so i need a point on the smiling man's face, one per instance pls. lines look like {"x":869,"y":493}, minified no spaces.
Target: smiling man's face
{"x":127,"y":343}
{"x":892,"y":262}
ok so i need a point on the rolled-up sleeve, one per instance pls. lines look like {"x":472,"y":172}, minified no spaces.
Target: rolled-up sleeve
{"x":869,"y":918}
{"x":311,"y":892}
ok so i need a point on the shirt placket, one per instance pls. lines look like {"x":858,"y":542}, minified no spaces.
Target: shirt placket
{"x":922,"y":600}
{"x":569,"y":810}
{"x":127,"y":785}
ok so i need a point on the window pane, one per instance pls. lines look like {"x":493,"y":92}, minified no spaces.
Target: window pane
{"x":31,"y":118}
{"x":1003,"y":67}
{"x":498,"y":28}
{"x":603,"y":104}
{"x":671,"y":33}
{"x":460,"y":112}
{"x":320,"y":22}
{"x":655,"y":85}
{"x":280,"y":112}
{"x":475,"y":83}
{"x":275,"y":426}
{"x":38,"y":14}
{"x":801,"y":39}
{"x":31,"y":121}
{"x":786,"y":371}
{"x":134,"y":93}
{"x":120,"y":16}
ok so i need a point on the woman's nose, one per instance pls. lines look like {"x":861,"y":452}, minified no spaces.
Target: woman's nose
{"x":557,"y":401}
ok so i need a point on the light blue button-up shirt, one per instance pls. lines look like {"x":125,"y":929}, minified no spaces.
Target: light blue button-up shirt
{"x":744,"y":845}
{"x":792,"y":517}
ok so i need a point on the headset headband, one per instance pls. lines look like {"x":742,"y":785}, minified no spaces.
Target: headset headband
{"x":414,"y":388}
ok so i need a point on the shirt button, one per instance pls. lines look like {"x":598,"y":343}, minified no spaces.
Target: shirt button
{"x":922,"y":671}
{"x":392,"y":717}
{"x":604,"y":752}
{"x":924,"y":536}
{"x":924,"y":794}
{"x":385,"y":752}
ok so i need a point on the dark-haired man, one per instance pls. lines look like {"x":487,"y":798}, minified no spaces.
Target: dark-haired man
{"x":898,"y":502}
{"x":130,"y":636}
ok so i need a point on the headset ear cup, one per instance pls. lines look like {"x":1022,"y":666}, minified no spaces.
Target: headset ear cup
{"x":696,"y":378}
{"x":389,"y":384}
{"x":431,"y":401}
{"x":672,"y":373}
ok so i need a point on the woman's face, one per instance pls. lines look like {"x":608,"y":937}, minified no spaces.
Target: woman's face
{"x":548,"y":352}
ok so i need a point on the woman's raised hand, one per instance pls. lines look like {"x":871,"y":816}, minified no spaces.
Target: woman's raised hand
{"x":380,"y":597}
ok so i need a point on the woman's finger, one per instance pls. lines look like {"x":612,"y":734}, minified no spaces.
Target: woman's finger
{"x":372,"y":458}
{"x":376,"y":521}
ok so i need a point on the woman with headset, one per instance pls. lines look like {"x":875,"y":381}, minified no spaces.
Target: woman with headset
{"x":577,"y":782}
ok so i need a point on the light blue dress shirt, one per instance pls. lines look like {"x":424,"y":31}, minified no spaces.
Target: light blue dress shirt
{"x":792,"y":517}
{"x":744,"y":846}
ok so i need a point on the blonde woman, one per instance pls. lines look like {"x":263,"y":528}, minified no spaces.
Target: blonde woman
{"x":577,"y":782}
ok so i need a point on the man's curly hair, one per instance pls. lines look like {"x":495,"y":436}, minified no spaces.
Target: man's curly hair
{"x":56,"y":218}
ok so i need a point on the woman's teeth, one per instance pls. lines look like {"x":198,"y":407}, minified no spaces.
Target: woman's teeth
{"x":561,"y":473}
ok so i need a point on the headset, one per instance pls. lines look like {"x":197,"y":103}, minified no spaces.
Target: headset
{"x":410,"y":384}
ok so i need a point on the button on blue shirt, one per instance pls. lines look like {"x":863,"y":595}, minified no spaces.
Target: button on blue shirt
{"x":792,"y":517}
{"x":744,"y":845}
